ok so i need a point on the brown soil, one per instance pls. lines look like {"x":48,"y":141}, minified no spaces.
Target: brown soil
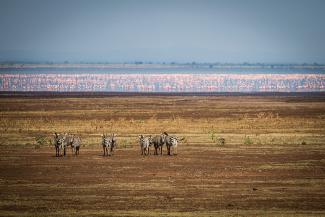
{"x":194,"y":180}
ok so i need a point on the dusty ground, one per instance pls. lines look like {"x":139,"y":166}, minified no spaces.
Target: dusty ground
{"x":204,"y":179}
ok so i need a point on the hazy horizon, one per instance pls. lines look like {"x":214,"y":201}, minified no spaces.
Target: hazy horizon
{"x":163,"y":31}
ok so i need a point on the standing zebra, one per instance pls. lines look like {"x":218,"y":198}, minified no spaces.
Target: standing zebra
{"x":108,"y":143}
{"x":75,"y":145}
{"x":59,"y":144}
{"x":158,"y":141}
{"x":145,"y":143}
{"x":68,"y":140}
{"x":56,"y":140}
{"x":172,"y":141}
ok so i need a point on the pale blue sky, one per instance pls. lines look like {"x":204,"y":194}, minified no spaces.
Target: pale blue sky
{"x":284,"y":31}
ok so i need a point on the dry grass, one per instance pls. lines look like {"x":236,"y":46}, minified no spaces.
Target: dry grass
{"x":270,"y":121}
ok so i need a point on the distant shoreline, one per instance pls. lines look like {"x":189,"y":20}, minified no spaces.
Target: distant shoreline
{"x":175,"y":68}
{"x":50,"y":94}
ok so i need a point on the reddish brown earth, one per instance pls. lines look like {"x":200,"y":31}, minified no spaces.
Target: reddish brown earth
{"x":217,"y":179}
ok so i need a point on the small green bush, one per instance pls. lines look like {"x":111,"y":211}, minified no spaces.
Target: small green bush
{"x":248,"y":140}
{"x":216,"y":139}
{"x":123,"y":143}
{"x":41,"y":140}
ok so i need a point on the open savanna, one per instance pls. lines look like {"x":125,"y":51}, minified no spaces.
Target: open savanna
{"x":272,"y":162}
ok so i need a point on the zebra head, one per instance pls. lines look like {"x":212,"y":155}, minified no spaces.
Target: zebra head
{"x":64,"y":139}
{"x":140,"y":138}
{"x":150,"y":140}
{"x":108,"y":141}
{"x":163,"y":137}
{"x":58,"y":140}
{"x":145,"y":140}
{"x":174,"y":141}
{"x":55,"y":138}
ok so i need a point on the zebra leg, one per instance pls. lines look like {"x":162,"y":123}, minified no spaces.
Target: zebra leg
{"x":109,"y":151}
{"x":175,"y":150}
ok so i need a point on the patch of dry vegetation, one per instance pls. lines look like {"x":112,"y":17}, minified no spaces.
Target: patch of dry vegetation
{"x":239,"y":120}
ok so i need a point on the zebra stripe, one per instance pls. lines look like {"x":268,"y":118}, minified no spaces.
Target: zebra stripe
{"x":145,"y":143}
{"x":108,"y":143}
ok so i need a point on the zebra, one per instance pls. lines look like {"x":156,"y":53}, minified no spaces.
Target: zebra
{"x":73,"y":141}
{"x":108,"y":143}
{"x":172,"y":141}
{"x":145,"y":143}
{"x":158,"y":141}
{"x":75,"y":145}
{"x":68,"y":140}
{"x":59,"y":144}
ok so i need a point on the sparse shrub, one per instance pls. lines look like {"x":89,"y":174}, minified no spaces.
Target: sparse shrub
{"x":216,"y":139}
{"x":303,"y":143}
{"x":212,"y":135}
{"x":41,"y":140}
{"x":123,"y":143}
{"x":248,"y":140}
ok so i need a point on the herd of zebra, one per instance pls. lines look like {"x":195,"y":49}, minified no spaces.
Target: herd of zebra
{"x":109,"y":143}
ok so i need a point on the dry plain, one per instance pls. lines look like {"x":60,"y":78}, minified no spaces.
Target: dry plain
{"x":272,"y":162}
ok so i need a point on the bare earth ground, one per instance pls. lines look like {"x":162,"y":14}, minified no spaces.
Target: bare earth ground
{"x":278,"y":171}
